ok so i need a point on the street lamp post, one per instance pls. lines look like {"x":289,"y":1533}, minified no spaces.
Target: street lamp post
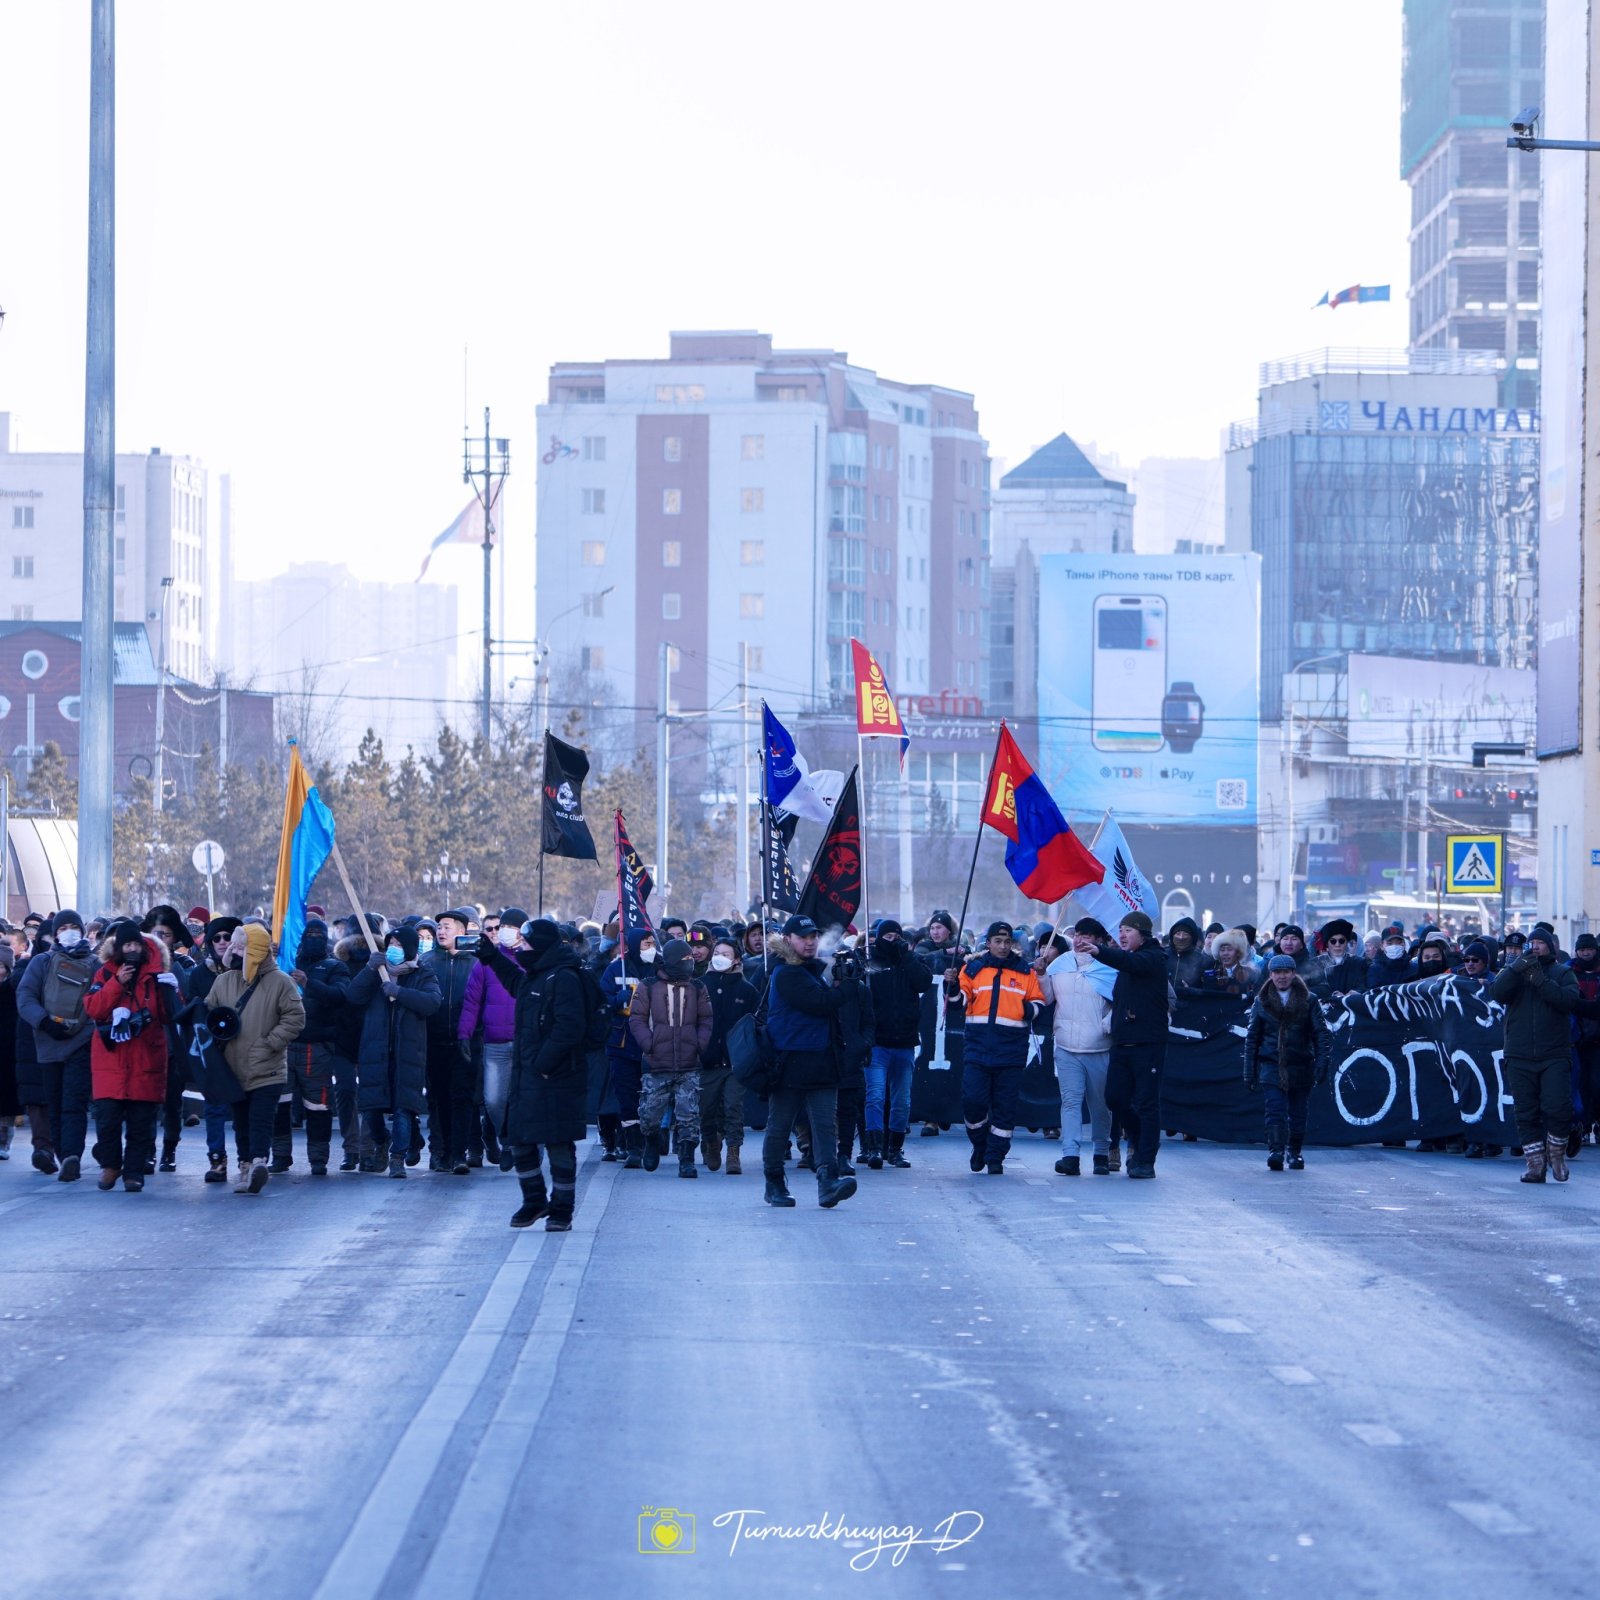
{"x":542,"y":648}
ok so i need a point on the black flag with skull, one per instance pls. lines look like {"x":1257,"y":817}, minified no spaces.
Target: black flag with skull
{"x":565,"y":832}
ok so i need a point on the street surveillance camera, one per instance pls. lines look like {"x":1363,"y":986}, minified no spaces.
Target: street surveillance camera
{"x":1525,"y":121}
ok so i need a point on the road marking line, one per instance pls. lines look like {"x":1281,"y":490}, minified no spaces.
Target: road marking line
{"x":1127,"y":1249}
{"x":1374,"y":1433}
{"x":1175,"y":1280}
{"x":1228,"y":1325}
{"x":1487,"y":1517}
{"x":363,"y":1561}
{"x":1292,"y":1375}
{"x":455,"y":1570}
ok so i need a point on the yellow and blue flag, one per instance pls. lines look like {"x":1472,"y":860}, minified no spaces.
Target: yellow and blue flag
{"x":303,"y":850}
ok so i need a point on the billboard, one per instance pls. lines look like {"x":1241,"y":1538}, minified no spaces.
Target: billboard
{"x":1436,"y":709}
{"x":1149,"y":686}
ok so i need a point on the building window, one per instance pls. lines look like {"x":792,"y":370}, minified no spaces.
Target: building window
{"x":756,"y":657}
{"x":672,"y":502}
{"x":593,"y":658}
{"x":877,"y":507}
{"x":671,"y":607}
{"x":122,"y":502}
{"x":594,"y":447}
{"x":1528,"y":282}
{"x":752,"y":552}
{"x":22,"y":566}
{"x":752,"y":499}
{"x":671,"y":553}
{"x":908,"y":618}
{"x":672,"y":448}
{"x":122,"y":555}
{"x":594,"y":553}
{"x":753,"y":447}
{"x":22,"y":516}
{"x":667,"y":393}
{"x":594,"y":605}
{"x":791,"y":392}
{"x":594,"y":502}
{"x":22,"y":613}
{"x":752,"y":607}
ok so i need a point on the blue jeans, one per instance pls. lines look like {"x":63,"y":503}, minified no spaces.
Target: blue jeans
{"x":890,"y":1067}
{"x":1289,"y":1109}
{"x":399,"y":1138}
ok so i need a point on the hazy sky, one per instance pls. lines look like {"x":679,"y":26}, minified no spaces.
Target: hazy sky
{"x":1096,"y":217}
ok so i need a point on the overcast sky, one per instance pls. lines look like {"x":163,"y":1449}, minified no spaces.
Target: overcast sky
{"x":1094,"y":217}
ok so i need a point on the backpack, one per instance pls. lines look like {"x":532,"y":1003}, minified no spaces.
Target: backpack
{"x":65,"y":985}
{"x":597,"y":1017}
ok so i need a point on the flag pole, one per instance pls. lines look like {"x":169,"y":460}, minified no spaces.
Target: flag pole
{"x":355,"y":901}
{"x":766,"y":836}
{"x":982,"y":807}
{"x":866,"y":812}
{"x":544,"y":779}
{"x":622,"y":919}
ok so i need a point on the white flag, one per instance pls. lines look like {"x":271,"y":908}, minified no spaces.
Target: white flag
{"x":815,"y":795}
{"x":1125,"y":888}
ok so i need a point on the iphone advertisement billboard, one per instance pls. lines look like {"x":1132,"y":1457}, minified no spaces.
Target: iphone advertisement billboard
{"x":1149,"y":691}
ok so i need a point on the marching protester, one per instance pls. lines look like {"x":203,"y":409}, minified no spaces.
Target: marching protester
{"x":943,"y":1009}
{"x":1138,"y":1037}
{"x":396,"y":995}
{"x":1080,"y":986}
{"x":266,"y":1016}
{"x":1585,"y":964}
{"x":1232,"y":971}
{"x":1344,"y":967}
{"x":544,"y":1102}
{"x":671,"y":1023}
{"x":50,"y":999}
{"x":1186,"y":959}
{"x":1541,"y":998}
{"x":452,"y":1074}
{"x":1286,"y":1053}
{"x":634,"y":969}
{"x":324,"y":984}
{"x":1003,"y":999}
{"x":898,"y":982}
{"x":488,"y":1015}
{"x":721,"y":1094}
{"x":857,"y":1032}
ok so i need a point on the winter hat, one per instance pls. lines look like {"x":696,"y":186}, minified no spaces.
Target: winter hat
{"x":1281,"y":964}
{"x":886,"y":925}
{"x":1234,"y":941}
{"x":1214,"y":928}
{"x":220,"y":929}
{"x":198,"y":914}
{"x":676,"y":958}
{"x":426,"y":924}
{"x":1338,"y":926}
{"x":62,"y":919}
{"x":406,"y":937}
{"x":1000,"y":930}
{"x":317,"y":911}
{"x":124,"y":931}
{"x":1543,"y":935}
{"x":1289,"y":928}
{"x":257,"y":950}
{"x":1248,"y":929}
{"x":1516,"y":937}
{"x":514,"y":917}
{"x":1477,"y":951}
{"x":540,"y":935}
{"x":1138,"y":921}
{"x":1585,"y":941}
{"x":944,"y":920}
{"x":1091,"y":928}
{"x":1395,"y":929}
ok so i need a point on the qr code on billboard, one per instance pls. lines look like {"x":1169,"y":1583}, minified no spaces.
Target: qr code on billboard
{"x":1233,"y":794}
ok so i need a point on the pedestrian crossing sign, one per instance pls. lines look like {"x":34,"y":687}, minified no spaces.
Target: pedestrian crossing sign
{"x":1475,"y":863}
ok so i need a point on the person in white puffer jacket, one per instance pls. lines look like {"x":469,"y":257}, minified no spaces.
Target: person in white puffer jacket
{"x":1081,"y":988}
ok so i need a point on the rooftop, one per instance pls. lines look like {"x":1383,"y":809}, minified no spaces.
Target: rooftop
{"x":1059,"y":462}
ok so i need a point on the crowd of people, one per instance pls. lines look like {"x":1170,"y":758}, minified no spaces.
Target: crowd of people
{"x":497,"y":1039}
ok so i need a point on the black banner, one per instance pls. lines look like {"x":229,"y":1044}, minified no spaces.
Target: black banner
{"x":832,"y":893}
{"x":633,"y":887}
{"x":565,"y":832}
{"x":780,"y":892}
{"x":1415,"y":1061}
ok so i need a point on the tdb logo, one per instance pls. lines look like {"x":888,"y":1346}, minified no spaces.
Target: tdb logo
{"x":1122,"y":772}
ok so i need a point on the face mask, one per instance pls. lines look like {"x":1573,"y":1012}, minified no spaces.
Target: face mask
{"x":1394,"y":951}
{"x":424,"y":946}
{"x":507,"y":937}
{"x":394,"y":955}
{"x":647,"y":955}
{"x":69,"y":938}
{"x":236,"y":963}
{"x":722,"y":963}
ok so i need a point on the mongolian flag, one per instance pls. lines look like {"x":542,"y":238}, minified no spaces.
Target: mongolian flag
{"x":832,"y":894}
{"x":565,"y":833}
{"x":1043,"y":855}
{"x":876,"y":713}
{"x":633,"y":887}
{"x":304,"y":846}
{"x":466,"y":529}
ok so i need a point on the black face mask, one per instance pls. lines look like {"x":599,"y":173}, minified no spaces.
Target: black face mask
{"x":236,"y":963}
{"x":680,"y":969}
{"x":888,"y":951}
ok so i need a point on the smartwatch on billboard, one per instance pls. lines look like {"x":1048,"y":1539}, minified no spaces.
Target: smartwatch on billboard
{"x":1183,"y":716}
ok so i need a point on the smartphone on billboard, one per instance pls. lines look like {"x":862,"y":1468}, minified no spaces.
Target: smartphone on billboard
{"x":1130,"y":671}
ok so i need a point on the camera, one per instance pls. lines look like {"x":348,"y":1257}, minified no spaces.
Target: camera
{"x":1525,"y":121}
{"x":467,"y":944}
{"x":665,"y":1530}
{"x":847,"y":967}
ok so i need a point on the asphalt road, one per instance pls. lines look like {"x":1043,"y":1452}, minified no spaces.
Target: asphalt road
{"x":1375,"y":1377}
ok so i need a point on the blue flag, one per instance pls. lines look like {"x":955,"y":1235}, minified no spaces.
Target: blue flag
{"x":789,"y":787}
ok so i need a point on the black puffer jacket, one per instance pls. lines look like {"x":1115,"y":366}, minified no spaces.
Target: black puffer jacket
{"x":1287,"y":1040}
{"x":323,"y":993}
{"x":1540,"y":998}
{"x":898,"y":981}
{"x":1186,"y":967}
{"x":392,"y":1057}
{"x":858,"y":1032}
{"x":1139,"y":1000}
{"x":549,"y":1065}
{"x":731,"y":998}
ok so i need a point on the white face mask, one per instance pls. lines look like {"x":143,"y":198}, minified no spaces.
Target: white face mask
{"x":507,"y":937}
{"x":722,"y":963}
{"x":69,"y":938}
{"x":647,"y":954}
{"x":1394,"y":951}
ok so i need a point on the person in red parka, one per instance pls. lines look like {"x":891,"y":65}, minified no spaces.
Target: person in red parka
{"x":130,"y":1000}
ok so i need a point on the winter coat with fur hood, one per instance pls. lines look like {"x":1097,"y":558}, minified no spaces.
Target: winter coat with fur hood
{"x":136,"y":1069}
{"x":1287,"y":1040}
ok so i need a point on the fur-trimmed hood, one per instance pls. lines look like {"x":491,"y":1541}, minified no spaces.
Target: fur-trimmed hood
{"x":1287,"y":1006}
{"x":159,"y":960}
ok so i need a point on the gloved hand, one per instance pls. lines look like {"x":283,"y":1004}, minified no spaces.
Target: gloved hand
{"x":52,"y":1029}
{"x":377,"y":961}
{"x":485,"y":951}
{"x":121,"y":1025}
{"x":168,"y":980}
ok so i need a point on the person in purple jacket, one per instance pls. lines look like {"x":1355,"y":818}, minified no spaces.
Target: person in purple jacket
{"x":488,"y":1003}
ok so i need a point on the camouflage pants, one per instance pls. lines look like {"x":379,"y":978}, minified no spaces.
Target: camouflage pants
{"x":682,"y":1090}
{"x":722,"y":1104}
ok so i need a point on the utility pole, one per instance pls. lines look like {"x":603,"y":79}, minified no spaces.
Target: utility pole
{"x":742,"y":838}
{"x":663,"y":756}
{"x":5,"y":843}
{"x":161,"y":700}
{"x":96,"y":743}
{"x":488,"y":493}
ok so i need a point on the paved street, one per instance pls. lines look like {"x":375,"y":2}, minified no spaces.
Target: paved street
{"x":1376,"y":1377}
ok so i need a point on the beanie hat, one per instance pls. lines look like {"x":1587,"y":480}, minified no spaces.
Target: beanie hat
{"x":674,"y":955}
{"x":64,"y":919}
{"x":1138,"y":921}
{"x":944,"y":919}
{"x":1281,"y":964}
{"x":541,"y":934}
{"x":514,"y":917}
{"x":1090,"y":928}
{"x":406,"y":937}
{"x":198,"y":914}
{"x":220,"y":929}
{"x":1289,"y":928}
{"x":886,"y":925}
{"x":1586,"y":941}
{"x":1476,"y":951}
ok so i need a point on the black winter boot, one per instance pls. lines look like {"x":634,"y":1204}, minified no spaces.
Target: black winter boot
{"x":1297,"y":1162}
{"x":561,"y":1203}
{"x":633,"y":1139}
{"x":169,"y":1155}
{"x":534,"y":1205}
{"x":777,"y":1191}
{"x":831,"y":1188}
{"x":979,"y":1138}
{"x":1277,"y":1137}
{"x":652,"y":1150}
{"x":686,"y":1166}
{"x":872,"y":1149}
{"x":895,"y":1155}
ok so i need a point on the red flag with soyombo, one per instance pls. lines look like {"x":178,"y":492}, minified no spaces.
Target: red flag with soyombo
{"x":876,"y":713}
{"x":1044,"y":856}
